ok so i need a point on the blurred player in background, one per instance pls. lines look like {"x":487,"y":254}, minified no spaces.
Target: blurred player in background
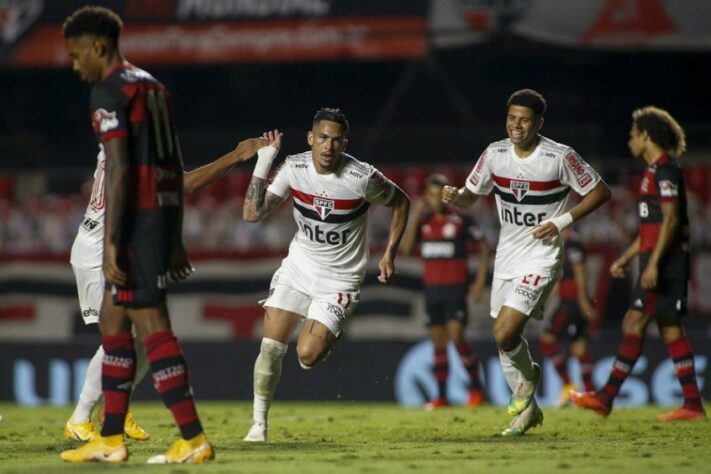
{"x":570,"y":319}
{"x":444,"y":236}
{"x":143,"y":204}
{"x":663,"y":249}
{"x":86,"y":260}
{"x":531,"y":176}
{"x":319,"y":281}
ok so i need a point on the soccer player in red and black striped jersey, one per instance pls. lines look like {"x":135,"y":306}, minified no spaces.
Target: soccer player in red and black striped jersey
{"x":444,"y":236}
{"x":132,"y":118}
{"x":662,"y":245}
{"x":570,"y":319}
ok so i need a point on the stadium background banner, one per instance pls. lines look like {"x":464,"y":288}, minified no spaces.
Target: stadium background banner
{"x":49,"y":373}
{"x":218,"y":31}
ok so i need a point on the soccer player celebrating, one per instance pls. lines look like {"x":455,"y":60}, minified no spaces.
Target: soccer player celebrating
{"x":444,"y":236}
{"x":132,"y":118}
{"x":86,"y":260}
{"x":319,"y":281}
{"x":531,"y":176}
{"x":570,"y":319}
{"x":662,"y":245}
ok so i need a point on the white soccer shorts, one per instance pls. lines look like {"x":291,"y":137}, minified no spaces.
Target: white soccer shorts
{"x":526,"y":294}
{"x":328,"y":302}
{"x":90,"y":287}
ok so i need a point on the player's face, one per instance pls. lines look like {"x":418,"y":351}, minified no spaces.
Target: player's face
{"x":328,"y":140}
{"x":85,"y":55}
{"x":522,"y":126}
{"x":433,"y":198}
{"x":636,"y":142}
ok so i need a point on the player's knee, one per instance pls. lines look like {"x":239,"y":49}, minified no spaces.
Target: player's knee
{"x":308,"y":356}
{"x":635,"y":322}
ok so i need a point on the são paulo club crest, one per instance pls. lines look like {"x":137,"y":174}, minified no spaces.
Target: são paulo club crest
{"x":519,"y":189}
{"x":323,"y":207}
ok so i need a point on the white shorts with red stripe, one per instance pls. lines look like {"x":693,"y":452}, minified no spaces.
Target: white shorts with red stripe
{"x":327,"y":301}
{"x":526,"y":294}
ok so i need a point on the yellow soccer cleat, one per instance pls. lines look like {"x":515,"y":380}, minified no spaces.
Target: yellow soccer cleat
{"x":79,"y":431}
{"x":186,"y":451}
{"x":132,"y":430}
{"x":102,"y":449}
{"x":564,"y":397}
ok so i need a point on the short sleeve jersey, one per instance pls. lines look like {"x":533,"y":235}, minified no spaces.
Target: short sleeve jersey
{"x":528,"y":191}
{"x":444,"y":240}
{"x":663,"y":181}
{"x":330,"y":211}
{"x":131,"y":103}
{"x":91,"y":230}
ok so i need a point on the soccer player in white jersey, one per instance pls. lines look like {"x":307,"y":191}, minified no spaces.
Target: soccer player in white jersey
{"x":531,"y":176}
{"x":319,"y":281}
{"x":87,"y":259}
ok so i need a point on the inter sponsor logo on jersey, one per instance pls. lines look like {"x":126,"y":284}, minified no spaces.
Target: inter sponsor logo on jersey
{"x":519,"y":188}
{"x":105,"y":120}
{"x":323,"y":206}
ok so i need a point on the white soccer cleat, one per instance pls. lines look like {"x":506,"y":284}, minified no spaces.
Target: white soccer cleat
{"x":257,"y":433}
{"x":531,"y":417}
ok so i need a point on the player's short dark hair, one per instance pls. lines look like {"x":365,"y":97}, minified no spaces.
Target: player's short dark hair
{"x":436,"y":179}
{"x":332,"y":115}
{"x":93,"y":20}
{"x":528,"y":98}
{"x":662,"y":129}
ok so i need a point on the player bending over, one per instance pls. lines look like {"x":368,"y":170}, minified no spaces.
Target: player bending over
{"x":319,"y":280}
{"x":444,"y":236}
{"x":531,"y":176}
{"x":663,"y":249}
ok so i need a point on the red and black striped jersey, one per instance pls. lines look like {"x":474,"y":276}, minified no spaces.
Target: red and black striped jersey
{"x":574,"y":253}
{"x":129,"y":102}
{"x":663,"y":181}
{"x":444,"y":239}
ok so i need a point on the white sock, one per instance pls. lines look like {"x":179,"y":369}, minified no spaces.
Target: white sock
{"x":520,"y":360}
{"x":267,"y":372}
{"x":91,"y":391}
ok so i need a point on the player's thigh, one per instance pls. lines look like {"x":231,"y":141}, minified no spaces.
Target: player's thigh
{"x":90,"y":290}
{"x":113,"y":320}
{"x":279,"y":324}
{"x":455,"y":329}
{"x":439,"y":335}
{"x":286,"y":306}
{"x":314,"y":342}
{"x":635,"y":322}
{"x":579,"y":347}
{"x":508,"y":327}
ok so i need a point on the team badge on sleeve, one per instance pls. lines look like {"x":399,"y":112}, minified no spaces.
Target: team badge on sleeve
{"x":105,"y":120}
{"x":668,"y":189}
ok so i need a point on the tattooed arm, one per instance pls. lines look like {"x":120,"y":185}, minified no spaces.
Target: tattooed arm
{"x":259,"y":203}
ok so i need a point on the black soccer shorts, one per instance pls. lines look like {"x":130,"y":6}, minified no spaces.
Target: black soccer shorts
{"x":568,"y":321}
{"x":146,"y":266}
{"x":443,"y":303}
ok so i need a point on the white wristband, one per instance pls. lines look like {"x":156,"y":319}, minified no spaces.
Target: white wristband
{"x":561,"y":222}
{"x":265,"y":157}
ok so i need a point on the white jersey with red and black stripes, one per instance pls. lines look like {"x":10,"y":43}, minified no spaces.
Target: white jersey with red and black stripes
{"x":331,"y":211}
{"x":88,"y":248}
{"x":528,"y":191}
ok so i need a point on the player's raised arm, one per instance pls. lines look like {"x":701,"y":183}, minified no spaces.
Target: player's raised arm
{"x":203,"y":176}
{"x":115,"y":195}
{"x":258,"y":202}
{"x":461,"y":197}
{"x":401,"y":209}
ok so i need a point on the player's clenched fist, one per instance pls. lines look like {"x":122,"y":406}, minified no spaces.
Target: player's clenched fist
{"x":448,"y":194}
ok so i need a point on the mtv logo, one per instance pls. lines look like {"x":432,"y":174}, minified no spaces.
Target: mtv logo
{"x":323,"y":207}
{"x":519,"y":188}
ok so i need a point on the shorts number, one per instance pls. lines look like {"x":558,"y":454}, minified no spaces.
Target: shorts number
{"x":536,"y":280}
{"x":162,"y":127}
{"x":643,"y":209}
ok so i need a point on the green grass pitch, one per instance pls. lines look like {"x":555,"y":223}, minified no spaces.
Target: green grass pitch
{"x":343,"y":437}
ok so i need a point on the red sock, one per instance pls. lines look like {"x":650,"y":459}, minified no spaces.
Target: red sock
{"x":683,"y":357}
{"x":170,"y":378}
{"x":629,"y":351}
{"x":586,"y":368}
{"x":441,"y":371}
{"x":117,"y":371}
{"x":552,"y":351}
{"x":470,"y":362}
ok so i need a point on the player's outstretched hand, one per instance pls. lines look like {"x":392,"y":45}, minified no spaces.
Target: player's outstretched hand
{"x":247,"y":149}
{"x":273,"y":138}
{"x":387,"y":269}
{"x":179,"y":268}
{"x":448,"y":194}
{"x":545,"y":231}
{"x":618,"y":267}
{"x":112,"y":272}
